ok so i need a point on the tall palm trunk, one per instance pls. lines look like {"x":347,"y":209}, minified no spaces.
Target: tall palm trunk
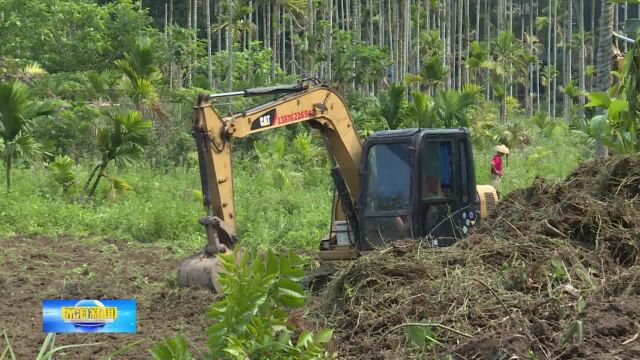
{"x":554,"y":87}
{"x":466,"y":32}
{"x":605,"y":55}
{"x":207,"y":9}
{"x":582,"y":54}
{"x":549,"y":72}
{"x":189,"y":60}
{"x":568,"y":102}
{"x":8,"y":164}
{"x":487,"y":9}
{"x":229,"y":47}
{"x":478,"y":6}
{"x":531,"y":90}
{"x":405,"y":37}
{"x":329,"y":37}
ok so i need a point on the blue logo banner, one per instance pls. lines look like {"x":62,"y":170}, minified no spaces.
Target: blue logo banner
{"x":104,"y":316}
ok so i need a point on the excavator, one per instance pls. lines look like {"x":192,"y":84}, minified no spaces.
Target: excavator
{"x":397,"y":184}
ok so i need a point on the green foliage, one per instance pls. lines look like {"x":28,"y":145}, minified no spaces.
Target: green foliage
{"x":141,"y":76}
{"x":421,"y":110}
{"x":511,"y":134}
{"x":618,"y":129}
{"x":422,"y":336}
{"x":452,"y":107}
{"x":394,"y":106}
{"x":70,"y":35}
{"x":251,"y":321}
{"x":63,"y":174}
{"x":125,"y":139}
{"x":355,"y":61}
{"x":433,"y":71}
{"x":47,"y":350}
{"x":175,"y":348}
{"x":121,"y":143}
{"x":17,"y":112}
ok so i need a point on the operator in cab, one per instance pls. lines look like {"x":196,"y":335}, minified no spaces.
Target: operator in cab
{"x":496,"y":165}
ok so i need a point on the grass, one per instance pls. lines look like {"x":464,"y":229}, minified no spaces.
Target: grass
{"x":280,"y":203}
{"x":551,"y":158}
{"x":165,"y":206}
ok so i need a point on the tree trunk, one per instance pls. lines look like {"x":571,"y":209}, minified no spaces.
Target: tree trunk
{"x":218,"y":18}
{"x":195,"y":20}
{"x":9,"y":164}
{"x":581,"y":69}
{"x":329,"y":37}
{"x":99,"y":176}
{"x":308,"y":61}
{"x":381,"y":24}
{"x":478,"y":5}
{"x":605,"y":56}
{"x":406,"y":37}
{"x":531,"y":90}
{"x":189,"y":60}
{"x":229,"y":48}
{"x":292,"y":47}
{"x":487,"y":9}
{"x":549,"y":82}
{"x":467,"y":35}
{"x":568,"y":101}
{"x":554,"y":87}
{"x":207,"y":10}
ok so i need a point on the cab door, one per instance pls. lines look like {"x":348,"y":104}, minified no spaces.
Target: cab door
{"x":444,"y":188}
{"x":385,"y":207}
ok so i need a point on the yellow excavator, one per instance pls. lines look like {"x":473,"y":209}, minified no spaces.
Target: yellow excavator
{"x":399,"y":184}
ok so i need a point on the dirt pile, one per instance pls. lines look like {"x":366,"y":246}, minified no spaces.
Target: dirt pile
{"x":554,"y":274}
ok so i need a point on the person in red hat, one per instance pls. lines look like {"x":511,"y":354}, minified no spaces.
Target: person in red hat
{"x":496,"y":165}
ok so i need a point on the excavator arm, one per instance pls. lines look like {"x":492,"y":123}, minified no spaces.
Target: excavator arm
{"x":306,"y":102}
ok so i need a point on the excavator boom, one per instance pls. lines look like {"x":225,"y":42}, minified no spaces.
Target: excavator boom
{"x":319,"y":106}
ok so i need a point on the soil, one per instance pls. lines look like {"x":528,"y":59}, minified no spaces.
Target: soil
{"x":36,"y":268}
{"x":553,"y":274}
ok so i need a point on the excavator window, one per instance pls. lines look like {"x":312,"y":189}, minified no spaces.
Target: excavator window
{"x":388,"y":194}
{"x":437,"y":169}
{"x":389,"y":181}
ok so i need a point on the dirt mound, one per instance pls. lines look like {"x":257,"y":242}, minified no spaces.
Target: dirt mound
{"x":551,"y":275}
{"x":36,"y":268}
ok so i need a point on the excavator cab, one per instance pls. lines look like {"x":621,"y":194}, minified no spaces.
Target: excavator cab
{"x":417,"y":183}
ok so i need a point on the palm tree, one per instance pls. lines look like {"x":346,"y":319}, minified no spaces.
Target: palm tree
{"x":121,"y":143}
{"x":510,"y":60}
{"x":17,"y":112}
{"x":393,"y":106}
{"x":451,"y":107}
{"x":420,"y":111}
{"x":141,"y":76}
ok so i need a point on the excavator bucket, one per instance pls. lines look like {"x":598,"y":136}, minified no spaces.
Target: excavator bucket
{"x":201,"y":271}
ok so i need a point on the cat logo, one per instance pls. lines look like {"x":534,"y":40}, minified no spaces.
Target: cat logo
{"x":265,"y":120}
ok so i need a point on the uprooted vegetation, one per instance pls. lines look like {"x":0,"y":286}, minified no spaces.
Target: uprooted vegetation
{"x":553,"y":274}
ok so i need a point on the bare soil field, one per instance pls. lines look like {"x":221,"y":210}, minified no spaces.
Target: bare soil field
{"x":36,"y":268}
